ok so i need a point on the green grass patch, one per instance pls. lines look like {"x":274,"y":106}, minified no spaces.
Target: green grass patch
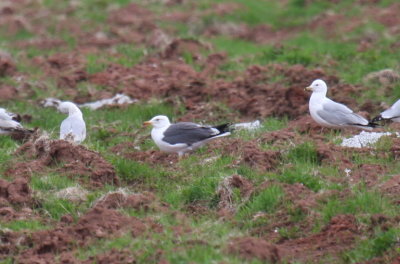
{"x":56,"y":208}
{"x":361,"y":203}
{"x":373,"y":247}
{"x":265,"y":202}
{"x":19,"y":225}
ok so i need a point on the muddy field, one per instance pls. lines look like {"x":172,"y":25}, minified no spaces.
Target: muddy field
{"x":285,"y":193}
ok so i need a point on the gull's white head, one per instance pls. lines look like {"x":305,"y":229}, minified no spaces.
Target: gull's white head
{"x":318,"y":86}
{"x":68,"y":108}
{"x":159,"y":121}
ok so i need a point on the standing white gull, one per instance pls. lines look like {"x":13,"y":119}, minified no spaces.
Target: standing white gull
{"x":393,"y":113}
{"x":73,"y":128}
{"x":328,"y":113}
{"x":183,"y":137}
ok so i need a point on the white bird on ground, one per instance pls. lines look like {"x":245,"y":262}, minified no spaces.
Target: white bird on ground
{"x":183,"y":137}
{"x":9,"y":123}
{"x":73,"y":128}
{"x":392,"y":114}
{"x":328,"y":113}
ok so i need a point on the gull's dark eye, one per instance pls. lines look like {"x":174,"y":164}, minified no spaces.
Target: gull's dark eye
{"x":316,"y":84}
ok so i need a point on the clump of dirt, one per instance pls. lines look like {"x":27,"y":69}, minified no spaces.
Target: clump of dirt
{"x":207,"y":113}
{"x":16,"y":200}
{"x":11,"y":214}
{"x":41,"y":154}
{"x":392,"y":187}
{"x":8,"y":92}
{"x":211,"y":64}
{"x":367,"y":173}
{"x":98,"y":223}
{"x":330,"y":154}
{"x":153,"y":77}
{"x":306,"y":125}
{"x":180,"y":47}
{"x":134,"y":23}
{"x":10,"y":242}
{"x":252,"y":247}
{"x":280,"y":137}
{"x":383,"y":221}
{"x":17,"y":192}
{"x":339,"y":235}
{"x":395,"y":149}
{"x":261,"y":34}
{"x":68,"y":69}
{"x":42,"y":43}
{"x":326,"y":20}
{"x":113,"y":256}
{"x":263,"y":160}
{"x":265,"y":34}
{"x":248,"y":152}
{"x":226,"y":206}
{"x":7,"y":64}
{"x":387,"y":17}
{"x":152,"y":157}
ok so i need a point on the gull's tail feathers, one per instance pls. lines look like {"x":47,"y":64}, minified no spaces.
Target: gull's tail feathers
{"x":224,"y":130}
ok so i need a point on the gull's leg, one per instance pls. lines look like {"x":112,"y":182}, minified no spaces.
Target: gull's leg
{"x":180,"y":155}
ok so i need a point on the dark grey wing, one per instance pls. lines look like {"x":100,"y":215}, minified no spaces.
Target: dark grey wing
{"x":339,"y":114}
{"x":188,"y":133}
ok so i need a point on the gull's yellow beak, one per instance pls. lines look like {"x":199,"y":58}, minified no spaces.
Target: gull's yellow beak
{"x":309,"y":88}
{"x":147,"y":123}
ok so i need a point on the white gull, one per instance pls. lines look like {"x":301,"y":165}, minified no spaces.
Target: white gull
{"x":183,"y":137}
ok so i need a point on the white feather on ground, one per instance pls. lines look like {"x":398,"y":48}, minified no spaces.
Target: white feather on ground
{"x":118,"y":99}
{"x":248,"y":125}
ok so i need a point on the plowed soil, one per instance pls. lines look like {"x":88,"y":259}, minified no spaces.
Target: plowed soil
{"x":188,"y":74}
{"x":44,"y":154}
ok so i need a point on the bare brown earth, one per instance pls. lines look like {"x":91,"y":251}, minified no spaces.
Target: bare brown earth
{"x":16,"y":201}
{"x":97,"y":223}
{"x":101,"y":221}
{"x":338,"y":235}
{"x":253,"y":93}
{"x":251,"y":247}
{"x":165,"y":74}
{"x":43,"y":155}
